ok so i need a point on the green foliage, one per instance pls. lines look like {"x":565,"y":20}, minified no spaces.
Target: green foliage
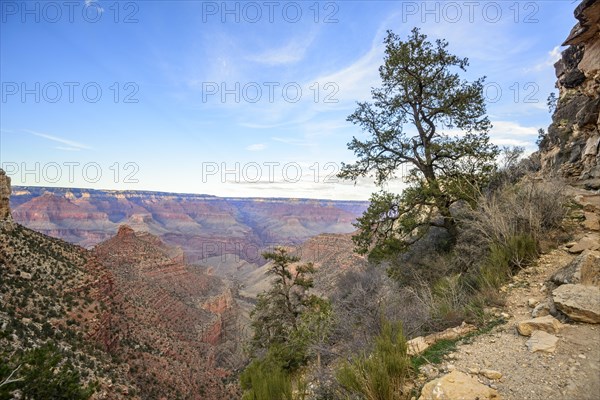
{"x":434,"y":354}
{"x":409,"y":123}
{"x":506,"y":258}
{"x":266,"y":379}
{"x":287,"y":321}
{"x":40,"y":374}
{"x":276,"y":316}
{"x":381,"y":374}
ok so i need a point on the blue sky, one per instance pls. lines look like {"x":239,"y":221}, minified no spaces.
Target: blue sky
{"x":240,"y":98}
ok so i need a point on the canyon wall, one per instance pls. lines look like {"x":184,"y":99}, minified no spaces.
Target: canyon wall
{"x":571,"y":145}
{"x":203,"y":226}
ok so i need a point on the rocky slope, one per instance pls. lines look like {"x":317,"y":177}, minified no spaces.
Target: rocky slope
{"x":204,"y":226}
{"x":549,"y":345}
{"x":168,"y":317}
{"x":130,"y":316}
{"x":50,"y":295}
{"x":5,"y":213}
{"x":571,"y":146}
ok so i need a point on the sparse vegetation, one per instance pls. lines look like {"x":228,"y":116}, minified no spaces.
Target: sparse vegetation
{"x":42,"y":373}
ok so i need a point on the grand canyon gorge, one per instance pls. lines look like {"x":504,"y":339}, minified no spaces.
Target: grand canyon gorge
{"x":472,"y":271}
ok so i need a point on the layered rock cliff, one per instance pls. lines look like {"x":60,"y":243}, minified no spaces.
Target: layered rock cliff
{"x":571,"y":146}
{"x":168,"y":317}
{"x":5,"y":213}
{"x":130,"y":315}
{"x":204,"y":226}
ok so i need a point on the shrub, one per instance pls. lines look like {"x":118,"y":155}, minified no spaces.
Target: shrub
{"x":40,"y":374}
{"x":266,"y":379}
{"x":380,"y":375}
{"x":527,"y":208}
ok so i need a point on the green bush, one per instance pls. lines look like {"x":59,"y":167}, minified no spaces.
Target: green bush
{"x":40,"y":374}
{"x":380,"y":375}
{"x":507,"y":258}
{"x":266,"y":379}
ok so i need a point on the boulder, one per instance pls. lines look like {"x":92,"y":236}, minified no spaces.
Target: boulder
{"x":589,"y":242}
{"x":546,"y":323}
{"x":457,"y":386}
{"x":578,"y":302}
{"x":584,"y":269}
{"x":592,"y":221}
{"x":542,"y":341}
{"x":545,"y":307}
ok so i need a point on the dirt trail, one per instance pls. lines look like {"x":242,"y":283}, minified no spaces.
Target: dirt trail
{"x":572,"y":372}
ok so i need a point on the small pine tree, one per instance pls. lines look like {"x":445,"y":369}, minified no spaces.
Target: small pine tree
{"x":287,"y":320}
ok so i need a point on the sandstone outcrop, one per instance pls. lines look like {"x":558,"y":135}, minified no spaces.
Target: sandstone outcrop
{"x":420,"y":343}
{"x":571,"y":146}
{"x":588,"y":242}
{"x":578,"y":302}
{"x":457,"y":385}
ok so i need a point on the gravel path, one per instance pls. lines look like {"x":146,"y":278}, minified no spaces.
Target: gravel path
{"x":571,"y":373}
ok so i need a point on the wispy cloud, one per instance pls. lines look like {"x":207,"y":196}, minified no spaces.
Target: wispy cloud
{"x":291,"y":53}
{"x":68,"y":145}
{"x":294,"y":142}
{"x":508,"y":133}
{"x":256,"y":147}
{"x":509,"y":128}
{"x":89,"y":3}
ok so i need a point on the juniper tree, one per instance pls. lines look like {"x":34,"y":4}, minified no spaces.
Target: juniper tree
{"x":427,"y":121}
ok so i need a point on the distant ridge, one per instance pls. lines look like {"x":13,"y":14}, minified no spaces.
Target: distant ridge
{"x":57,"y":190}
{"x":204,"y":226}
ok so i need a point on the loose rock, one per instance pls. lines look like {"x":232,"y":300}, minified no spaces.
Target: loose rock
{"x":491,"y":374}
{"x":542,"y":341}
{"x":457,"y":385}
{"x":547,"y":323}
{"x":579,"y":302}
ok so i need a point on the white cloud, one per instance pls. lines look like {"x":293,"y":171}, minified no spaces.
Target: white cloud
{"x":508,"y":133}
{"x":68,"y":144}
{"x":509,"y":128}
{"x":294,"y":142}
{"x":551,"y":58}
{"x":256,"y":147}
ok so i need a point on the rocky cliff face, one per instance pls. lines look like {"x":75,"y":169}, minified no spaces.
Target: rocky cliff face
{"x":4,"y":196}
{"x":168,"y":317}
{"x":571,"y":146}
